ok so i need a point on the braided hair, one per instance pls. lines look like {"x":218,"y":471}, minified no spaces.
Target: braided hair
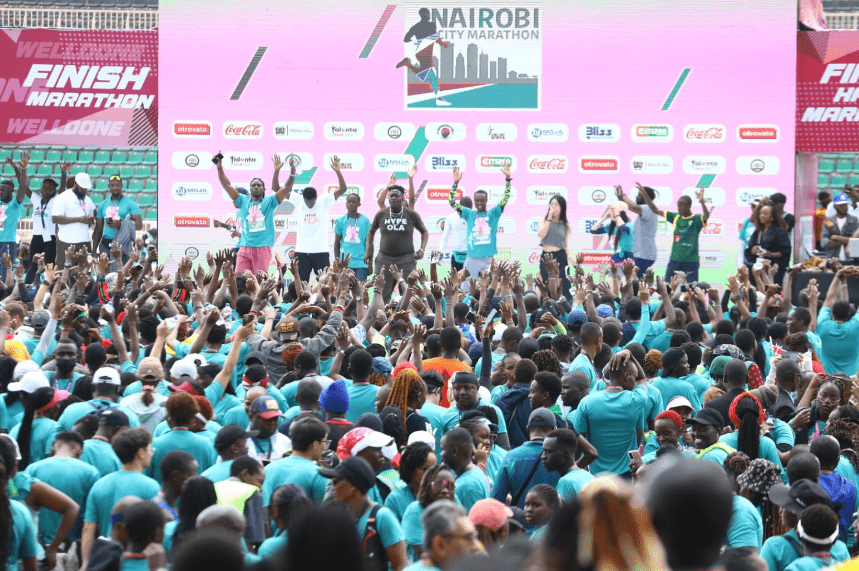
{"x":407,"y":385}
{"x":747,"y":410}
{"x":38,"y":399}
{"x":546,"y":360}
{"x":425,"y":489}
{"x":412,"y":458}
{"x":844,"y":432}
{"x":735,"y":464}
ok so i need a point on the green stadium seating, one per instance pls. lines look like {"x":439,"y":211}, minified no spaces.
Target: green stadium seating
{"x":70,"y":157}
{"x":42,"y":147}
{"x":837,"y":181}
{"x":53,"y":157}
{"x":822,"y":181}
{"x":31,"y":170}
{"x":101,"y":185}
{"x":155,"y":171}
{"x":844,"y":166}
{"x":94,"y":171}
{"x":44,"y":170}
{"x":37,"y":156}
{"x":151,"y":214}
{"x":135,"y":186}
{"x":118,"y":158}
{"x":4,"y":154}
{"x":111,"y":170}
{"x":126,"y":172}
{"x":828,"y":156}
{"x":8,"y":170}
{"x":102,"y":158}
{"x":96,"y":198}
{"x":35,"y":184}
{"x":826,"y":166}
{"x":151,"y":186}
{"x":144,"y":200}
{"x":151,"y":158}
{"x":16,"y":156}
{"x":853,"y":179}
{"x":143,"y":172}
{"x":85,"y":157}
{"x":76,"y":169}
{"x":135,"y":158}
{"x":27,"y":201}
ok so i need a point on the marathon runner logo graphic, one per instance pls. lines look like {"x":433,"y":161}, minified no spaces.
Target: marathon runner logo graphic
{"x":475,"y":56}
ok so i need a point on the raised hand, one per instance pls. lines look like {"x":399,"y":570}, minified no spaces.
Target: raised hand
{"x":413,"y":171}
{"x":335,"y":163}
{"x":506,"y":168}
{"x":278,"y":163}
{"x":457,"y":175}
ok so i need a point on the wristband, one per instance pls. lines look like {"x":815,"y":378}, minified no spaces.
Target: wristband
{"x":338,"y":308}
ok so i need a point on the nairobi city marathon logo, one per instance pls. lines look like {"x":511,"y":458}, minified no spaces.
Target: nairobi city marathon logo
{"x":473,"y":57}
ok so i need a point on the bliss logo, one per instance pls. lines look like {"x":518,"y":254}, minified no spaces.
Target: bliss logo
{"x":599,"y":133}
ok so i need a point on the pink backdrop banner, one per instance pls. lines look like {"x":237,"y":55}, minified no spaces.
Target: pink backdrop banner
{"x":95,"y":88}
{"x":580,"y":96}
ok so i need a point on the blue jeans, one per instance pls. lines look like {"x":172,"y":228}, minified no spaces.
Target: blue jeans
{"x":10,"y":248}
{"x":360,"y":273}
{"x":642,"y":266}
{"x":691,"y":269}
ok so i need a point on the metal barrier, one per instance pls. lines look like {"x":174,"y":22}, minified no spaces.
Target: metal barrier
{"x":842,"y":20}
{"x":77,"y":18}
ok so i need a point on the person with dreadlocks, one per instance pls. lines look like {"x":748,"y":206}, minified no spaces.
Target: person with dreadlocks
{"x":845,"y":432}
{"x":747,"y":416}
{"x":408,"y":393}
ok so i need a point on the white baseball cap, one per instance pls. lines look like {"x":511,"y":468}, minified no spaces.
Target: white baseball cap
{"x":83,"y":180}
{"x":30,"y":382}
{"x":24,"y":367}
{"x":107,"y":375}
{"x":422,"y":436}
{"x":184,"y":370}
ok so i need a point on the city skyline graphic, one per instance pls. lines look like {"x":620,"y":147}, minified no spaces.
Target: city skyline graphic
{"x":473,"y":65}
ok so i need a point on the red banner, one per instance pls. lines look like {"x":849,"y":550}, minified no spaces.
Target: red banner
{"x":827,"y":91}
{"x":79,"y":87}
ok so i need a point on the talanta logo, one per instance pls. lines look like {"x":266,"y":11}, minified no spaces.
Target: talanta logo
{"x":757,"y":133}
{"x":652,"y":133}
{"x":547,"y":164}
{"x":599,"y":164}
{"x":344,"y":131}
{"x":541,"y":195}
{"x":704,"y":165}
{"x":704,"y":133}
{"x":191,"y":221}
{"x":496,"y":132}
{"x":192,"y":129}
{"x":243,"y":130}
{"x":243,"y":161}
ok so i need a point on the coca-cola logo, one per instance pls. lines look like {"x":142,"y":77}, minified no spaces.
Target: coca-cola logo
{"x":534,"y":258}
{"x":705,"y":133}
{"x":554,"y":164}
{"x":254,"y":130}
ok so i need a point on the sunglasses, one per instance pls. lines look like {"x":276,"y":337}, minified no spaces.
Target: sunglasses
{"x":114,"y":177}
{"x":442,"y":484}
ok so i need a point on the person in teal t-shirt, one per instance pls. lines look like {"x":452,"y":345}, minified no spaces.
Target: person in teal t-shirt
{"x":286,"y":501}
{"x":559,"y":455}
{"x":10,"y":213}
{"x":110,"y":215}
{"x":181,"y":409}
{"x":350,"y":236}
{"x":747,"y":527}
{"x":482,"y":223}
{"x":256,"y":214}
{"x":144,"y":524}
{"x":309,"y":437}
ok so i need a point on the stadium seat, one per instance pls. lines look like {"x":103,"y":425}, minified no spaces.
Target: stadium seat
{"x":155,"y":171}
{"x":76,"y":169}
{"x":102,"y":158}
{"x":126,"y":172}
{"x":151,"y":214}
{"x":853,"y":179}
{"x":8,"y":170}
{"x":151,"y":158}
{"x":37,"y":156}
{"x":102,"y":3}
{"x":13,"y":2}
{"x":31,"y":170}
{"x":44,"y":170}
{"x":53,"y":157}
{"x":70,"y":157}
{"x":35,"y":184}
{"x":822,"y":181}
{"x":144,"y":200}
{"x":123,"y":3}
{"x":151,"y":186}
{"x":101,"y":185}
{"x":826,"y":166}
{"x":135,"y":158}
{"x":94,"y":171}
{"x":4,"y":154}
{"x":139,"y":3}
{"x":85,"y":157}
{"x":844,"y":166}
{"x":111,"y":170}
{"x":135,"y":186}
{"x":118,"y":158}
{"x":143,"y":172}
{"x":60,"y":3}
{"x":96,"y":198}
{"x":78,"y":3}
{"x":837,"y":182}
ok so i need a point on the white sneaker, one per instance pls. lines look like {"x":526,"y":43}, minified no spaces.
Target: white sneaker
{"x":441,"y":101}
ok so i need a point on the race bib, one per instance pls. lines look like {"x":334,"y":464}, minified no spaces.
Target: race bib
{"x":256,"y":219}
{"x":352,"y":235}
{"x":482,"y":233}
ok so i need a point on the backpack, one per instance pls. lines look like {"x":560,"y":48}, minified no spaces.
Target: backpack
{"x":375,"y":556}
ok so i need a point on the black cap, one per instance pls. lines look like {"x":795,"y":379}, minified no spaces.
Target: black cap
{"x":209,"y":369}
{"x":464,"y":377}
{"x":354,"y":470}
{"x":541,"y":418}
{"x":229,"y":434}
{"x":518,"y":519}
{"x":708,"y":416}
{"x":256,"y":356}
{"x":800,"y":495}
{"x":112,"y":417}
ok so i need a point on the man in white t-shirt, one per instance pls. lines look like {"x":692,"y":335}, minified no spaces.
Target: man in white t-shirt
{"x":455,"y":235}
{"x":74,"y":213}
{"x":311,"y":211}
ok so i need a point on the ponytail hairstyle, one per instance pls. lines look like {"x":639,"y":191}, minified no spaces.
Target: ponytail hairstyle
{"x":613,"y":226}
{"x":291,"y":501}
{"x":747,"y":416}
{"x":197,"y":494}
{"x":393,"y":425}
{"x":38,"y":399}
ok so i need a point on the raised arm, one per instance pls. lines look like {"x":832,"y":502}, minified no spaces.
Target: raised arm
{"x":505,"y":170}
{"x":706,"y":215}
{"x":670,"y":318}
{"x":649,"y":201}
{"x":335,"y":166}
{"x":411,"y":174}
{"x":282,"y":193}
{"x":633,"y":206}
{"x":457,"y":176}
{"x":21,"y":175}
{"x":380,"y":200}
{"x":225,"y":182}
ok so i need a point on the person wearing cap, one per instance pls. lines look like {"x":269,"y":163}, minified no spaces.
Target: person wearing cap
{"x":269,"y":444}
{"x":97,"y":451}
{"x":241,"y":413}
{"x":147,"y":404}
{"x":230,"y":443}
{"x":465,"y":396}
{"x":181,"y":408}
{"x":779,"y":551}
{"x":839,"y":226}
{"x":309,"y":437}
{"x":110,"y":215}
{"x":770,"y":240}
{"x":38,"y":321}
{"x":351,"y":481}
{"x":683,"y":408}
{"x":706,"y":428}
{"x":73,"y":213}
{"x":106,"y":385}
{"x":375,"y":447}
{"x":490,"y":519}
{"x":559,"y":455}
{"x":134,"y":449}
{"x":610,"y":418}
{"x":334,"y":402}
{"x":850,"y":198}
{"x":522,"y":467}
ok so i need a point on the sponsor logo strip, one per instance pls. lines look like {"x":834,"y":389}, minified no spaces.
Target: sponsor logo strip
{"x":249,"y":72}
{"x":676,"y":89}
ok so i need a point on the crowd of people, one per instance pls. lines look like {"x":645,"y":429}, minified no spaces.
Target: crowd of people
{"x":475,"y":416}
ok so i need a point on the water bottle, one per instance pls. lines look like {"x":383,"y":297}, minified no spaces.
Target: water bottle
{"x":227,"y":313}
{"x":109,"y":307}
